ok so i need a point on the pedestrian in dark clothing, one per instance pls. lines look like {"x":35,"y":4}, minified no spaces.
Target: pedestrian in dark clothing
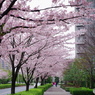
{"x":57,"y":83}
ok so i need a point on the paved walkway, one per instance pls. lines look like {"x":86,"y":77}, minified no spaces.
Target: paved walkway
{"x":56,"y":91}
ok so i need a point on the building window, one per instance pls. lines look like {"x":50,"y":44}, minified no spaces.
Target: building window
{"x":79,"y":27}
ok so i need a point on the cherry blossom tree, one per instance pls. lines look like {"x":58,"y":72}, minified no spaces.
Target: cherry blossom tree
{"x":28,"y":72}
{"x":16,"y":15}
{"x":35,"y":63}
{"x":52,"y":68}
{"x":51,"y":49}
{"x":17,"y":50}
{"x":53,"y":65}
{"x":23,"y":30}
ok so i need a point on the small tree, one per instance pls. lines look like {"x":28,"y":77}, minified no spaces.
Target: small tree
{"x":17,"y":51}
{"x":76,"y":74}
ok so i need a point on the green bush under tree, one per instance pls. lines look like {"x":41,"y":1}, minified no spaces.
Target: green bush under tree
{"x":35,"y":91}
{"x":77,"y":75}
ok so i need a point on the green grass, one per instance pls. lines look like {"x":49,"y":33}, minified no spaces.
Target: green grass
{"x":2,"y":86}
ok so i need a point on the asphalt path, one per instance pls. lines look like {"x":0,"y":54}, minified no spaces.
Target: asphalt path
{"x":17,"y":89}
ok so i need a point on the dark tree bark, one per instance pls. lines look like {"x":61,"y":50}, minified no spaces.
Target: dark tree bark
{"x":37,"y":80}
{"x":8,"y":9}
{"x":14,"y":77}
{"x":28,"y":77}
{"x":15,"y":70}
{"x":13,"y":85}
{"x":27,"y":86}
{"x":42,"y":81}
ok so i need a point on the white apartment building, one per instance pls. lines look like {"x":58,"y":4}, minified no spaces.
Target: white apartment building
{"x":3,"y":65}
{"x":84,"y":39}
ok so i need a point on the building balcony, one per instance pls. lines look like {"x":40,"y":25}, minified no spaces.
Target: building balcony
{"x":79,"y":52}
{"x":80,"y":43}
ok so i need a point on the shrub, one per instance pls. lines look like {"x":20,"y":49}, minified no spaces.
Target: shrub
{"x":35,"y":91}
{"x":81,"y":91}
{"x":4,"y":81}
{"x":45,"y":87}
{"x":70,"y":84}
{"x":5,"y":86}
{"x":68,"y":88}
{"x":9,"y":85}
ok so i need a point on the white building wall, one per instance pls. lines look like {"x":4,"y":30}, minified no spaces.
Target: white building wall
{"x":81,"y":39}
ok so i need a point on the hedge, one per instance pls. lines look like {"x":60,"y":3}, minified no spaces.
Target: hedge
{"x":2,"y":86}
{"x":81,"y":91}
{"x":45,"y":87}
{"x":35,"y":91}
{"x":66,"y":88}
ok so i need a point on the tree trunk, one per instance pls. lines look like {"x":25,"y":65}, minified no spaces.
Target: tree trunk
{"x":91,"y":78}
{"x":37,"y":80}
{"x":13,"y":85}
{"x":27,"y":86}
{"x":86,"y":84}
{"x":42,"y":81}
{"x":13,"y":79}
{"x":91,"y":82}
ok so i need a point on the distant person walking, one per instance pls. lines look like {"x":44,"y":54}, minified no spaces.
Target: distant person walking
{"x":54,"y":83}
{"x":57,"y":82}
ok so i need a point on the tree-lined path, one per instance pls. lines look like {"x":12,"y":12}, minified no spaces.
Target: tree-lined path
{"x":56,"y":91}
{"x":36,"y":41}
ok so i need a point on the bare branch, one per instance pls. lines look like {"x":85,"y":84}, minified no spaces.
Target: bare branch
{"x":8,"y":9}
{"x":1,"y":3}
{"x":38,"y":10}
